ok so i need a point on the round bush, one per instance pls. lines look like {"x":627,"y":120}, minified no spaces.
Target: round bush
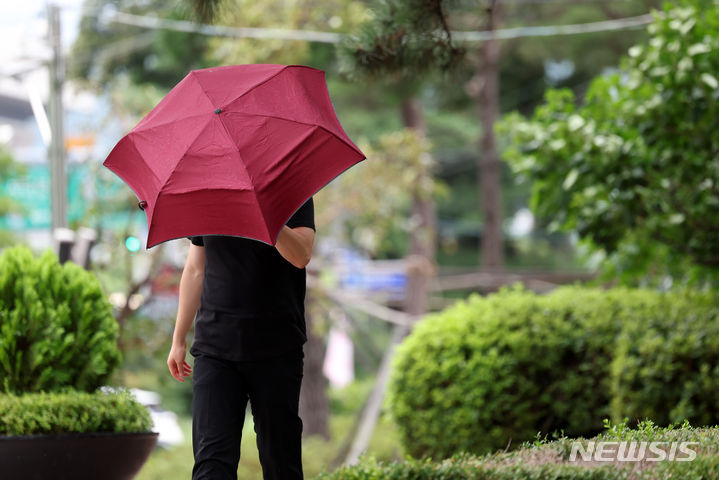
{"x":57,"y":331}
{"x":493,"y":371}
{"x":666,"y":366}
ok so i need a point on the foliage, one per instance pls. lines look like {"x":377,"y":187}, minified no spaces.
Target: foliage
{"x":544,"y":459}
{"x":666,"y":366}
{"x":404,"y":40}
{"x":106,"y":52}
{"x":532,"y":64}
{"x":378,"y":191}
{"x":335,"y":16}
{"x":462,"y":467}
{"x":491,"y":372}
{"x":56,"y":325}
{"x":634,"y":166}
{"x":9,"y":168}
{"x":72,"y":412}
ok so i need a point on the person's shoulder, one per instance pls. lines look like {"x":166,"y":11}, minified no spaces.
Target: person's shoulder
{"x":197,"y":240}
{"x":303,"y":216}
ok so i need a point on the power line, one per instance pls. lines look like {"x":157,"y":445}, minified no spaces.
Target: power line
{"x":221,"y":31}
{"x":556,"y":30}
{"x":329,"y":37}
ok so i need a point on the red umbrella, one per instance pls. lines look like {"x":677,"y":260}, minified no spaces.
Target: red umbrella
{"x":234,"y":151}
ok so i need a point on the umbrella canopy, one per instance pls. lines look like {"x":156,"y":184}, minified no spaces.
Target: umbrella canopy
{"x":234,"y":150}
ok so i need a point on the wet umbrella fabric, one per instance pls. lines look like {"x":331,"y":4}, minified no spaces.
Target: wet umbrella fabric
{"x":234,"y":151}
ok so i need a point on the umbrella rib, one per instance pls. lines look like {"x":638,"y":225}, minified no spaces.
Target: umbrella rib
{"x":163,"y":184}
{"x":156,"y":125}
{"x":259,"y":84}
{"x":172,"y":172}
{"x":327,"y":183}
{"x":249,"y":175}
{"x":197,"y":78}
{"x":338,"y":137}
{"x":227,"y":132}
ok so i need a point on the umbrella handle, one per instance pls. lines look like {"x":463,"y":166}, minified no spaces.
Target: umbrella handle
{"x":142,"y":204}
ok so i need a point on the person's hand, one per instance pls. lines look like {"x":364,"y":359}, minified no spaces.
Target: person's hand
{"x":179,"y":368}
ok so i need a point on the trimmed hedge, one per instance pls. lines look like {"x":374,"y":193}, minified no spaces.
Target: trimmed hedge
{"x":57,"y":331}
{"x":493,"y":371}
{"x":460,"y":467}
{"x":667,"y":366}
{"x":72,"y":412}
{"x":545,"y":460}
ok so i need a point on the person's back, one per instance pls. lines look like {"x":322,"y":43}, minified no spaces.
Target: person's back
{"x":248,"y":345}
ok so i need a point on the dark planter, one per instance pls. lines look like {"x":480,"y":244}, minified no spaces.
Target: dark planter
{"x":91,"y":456}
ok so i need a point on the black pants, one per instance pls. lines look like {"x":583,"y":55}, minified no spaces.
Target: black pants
{"x":221,"y":389}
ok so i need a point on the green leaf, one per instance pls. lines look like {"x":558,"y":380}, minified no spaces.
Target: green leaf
{"x":710,"y":80}
{"x":676,"y":218}
{"x":571,"y":178}
{"x":698,"y":48}
{"x":575,"y":122}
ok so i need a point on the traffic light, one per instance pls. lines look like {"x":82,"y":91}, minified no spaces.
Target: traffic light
{"x":132,"y":244}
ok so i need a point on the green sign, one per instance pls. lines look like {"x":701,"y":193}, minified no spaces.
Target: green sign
{"x":32,"y":192}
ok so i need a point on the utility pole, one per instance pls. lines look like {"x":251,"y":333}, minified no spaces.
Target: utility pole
{"x":56,"y":152}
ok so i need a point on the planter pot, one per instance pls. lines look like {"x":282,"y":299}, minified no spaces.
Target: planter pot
{"x":105,"y":456}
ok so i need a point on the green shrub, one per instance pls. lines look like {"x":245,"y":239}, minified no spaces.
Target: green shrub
{"x":550,"y":460}
{"x":72,"y":412}
{"x":57,"y":331}
{"x":460,"y":467}
{"x":491,"y":372}
{"x":494,"y":370}
{"x":666,"y":366}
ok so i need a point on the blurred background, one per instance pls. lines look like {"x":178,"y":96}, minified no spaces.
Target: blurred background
{"x":463,"y":189}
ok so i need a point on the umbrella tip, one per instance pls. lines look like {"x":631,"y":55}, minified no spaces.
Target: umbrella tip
{"x":142,"y":204}
{"x":218,"y":110}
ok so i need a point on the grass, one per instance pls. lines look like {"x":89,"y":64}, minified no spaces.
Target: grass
{"x":543,"y":451}
{"x":550,"y":460}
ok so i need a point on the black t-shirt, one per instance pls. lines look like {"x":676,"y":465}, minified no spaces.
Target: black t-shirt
{"x":252,"y":304}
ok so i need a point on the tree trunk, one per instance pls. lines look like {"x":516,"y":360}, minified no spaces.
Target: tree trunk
{"x":314,"y":404}
{"x":419,"y":273}
{"x":422,"y":239}
{"x":489,"y":165}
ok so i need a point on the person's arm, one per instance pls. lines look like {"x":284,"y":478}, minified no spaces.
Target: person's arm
{"x":295,"y":245}
{"x":190,"y":293}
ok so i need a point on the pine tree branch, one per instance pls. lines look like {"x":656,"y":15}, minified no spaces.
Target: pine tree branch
{"x":204,"y":10}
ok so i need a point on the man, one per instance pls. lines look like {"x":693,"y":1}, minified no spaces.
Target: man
{"x":248,"y":298}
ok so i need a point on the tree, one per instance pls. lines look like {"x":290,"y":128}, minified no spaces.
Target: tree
{"x":104,"y":54}
{"x":526,"y":67}
{"x":633,"y":169}
{"x":489,"y":164}
{"x":449,"y":104}
{"x":402,"y":45}
{"x":337,"y":16}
